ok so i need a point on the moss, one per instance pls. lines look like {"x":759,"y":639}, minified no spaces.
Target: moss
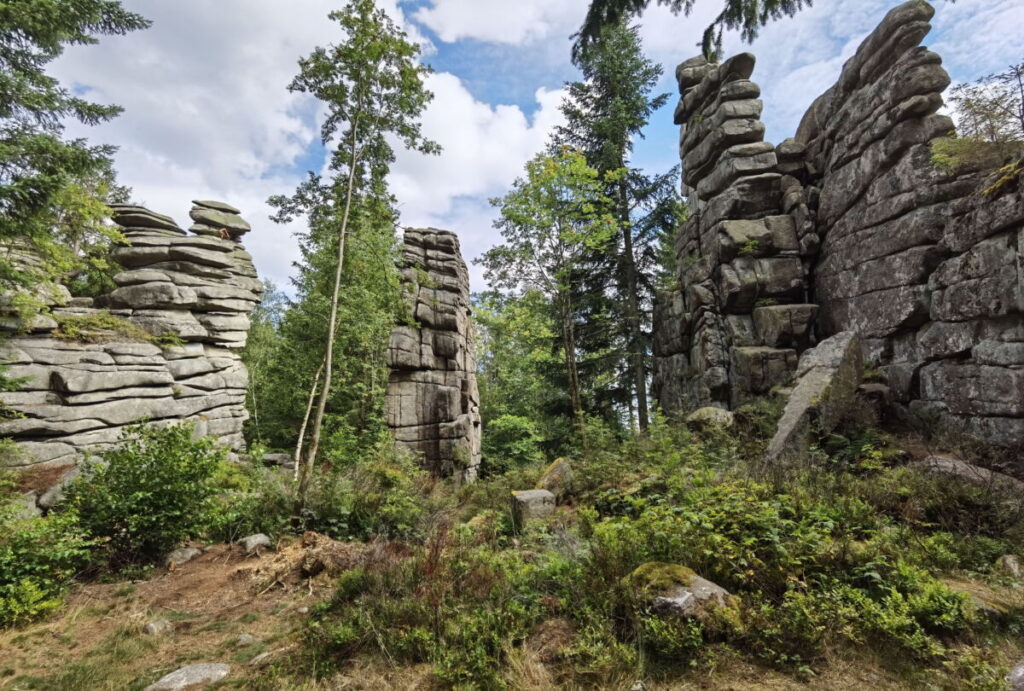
{"x":658,"y":577}
{"x":98,"y":327}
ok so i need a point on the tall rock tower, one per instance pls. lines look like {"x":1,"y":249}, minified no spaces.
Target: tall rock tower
{"x":433,"y":406}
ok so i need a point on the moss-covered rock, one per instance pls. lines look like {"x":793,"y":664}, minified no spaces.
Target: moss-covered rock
{"x":558,"y":479}
{"x":672,"y":590}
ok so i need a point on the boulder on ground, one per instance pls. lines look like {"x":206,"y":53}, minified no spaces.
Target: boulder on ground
{"x":191,"y":677}
{"x":530,"y":505}
{"x":709,"y":418}
{"x":1009,"y":565}
{"x":1016,"y":678}
{"x":253,"y":544}
{"x":983,"y":477}
{"x":676,"y":591}
{"x":181,"y":556}
{"x":158,"y":627}
{"x":557,"y":479}
{"x":827,"y":379}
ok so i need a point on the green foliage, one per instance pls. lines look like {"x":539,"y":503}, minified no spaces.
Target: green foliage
{"x":550,"y":221}
{"x":148,"y":494}
{"x":38,"y":558}
{"x":824,"y":561}
{"x":383,"y":495}
{"x":510,"y":441}
{"x":44,"y":182}
{"x":989,"y":116}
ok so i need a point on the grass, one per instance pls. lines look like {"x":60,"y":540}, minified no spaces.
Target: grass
{"x":99,"y":327}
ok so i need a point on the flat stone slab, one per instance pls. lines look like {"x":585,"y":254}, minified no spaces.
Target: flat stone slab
{"x":191,"y":677}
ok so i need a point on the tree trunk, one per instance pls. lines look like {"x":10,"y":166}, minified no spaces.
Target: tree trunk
{"x":332,"y":322}
{"x":305,"y":420}
{"x":569,"y":346}
{"x":636,"y":343}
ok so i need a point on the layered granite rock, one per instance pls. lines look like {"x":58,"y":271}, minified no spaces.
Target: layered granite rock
{"x":848,"y":226}
{"x":923,"y":264}
{"x":161,"y":347}
{"x":432,"y":399}
{"x":732,"y":329}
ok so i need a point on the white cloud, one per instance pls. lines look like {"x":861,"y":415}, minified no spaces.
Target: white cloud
{"x":484,"y":150}
{"x":502,"y":21}
{"x":207,"y":110}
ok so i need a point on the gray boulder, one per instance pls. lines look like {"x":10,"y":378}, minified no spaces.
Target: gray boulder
{"x":530,"y":505}
{"x":180,"y":556}
{"x":216,"y":205}
{"x":709,"y":418}
{"x":158,"y":627}
{"x":253,"y":544}
{"x":1016,"y":678}
{"x":191,"y":677}
{"x":827,"y":380}
{"x":220,"y":219}
{"x":676,"y":591}
{"x":1009,"y":564}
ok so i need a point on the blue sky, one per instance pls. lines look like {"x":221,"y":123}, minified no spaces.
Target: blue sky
{"x":207,"y":112}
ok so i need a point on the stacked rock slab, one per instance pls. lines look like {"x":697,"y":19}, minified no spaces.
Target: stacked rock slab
{"x":846,"y":227}
{"x":191,"y":294}
{"x":432,"y":399}
{"x":923,"y":265}
{"x":732,"y":329}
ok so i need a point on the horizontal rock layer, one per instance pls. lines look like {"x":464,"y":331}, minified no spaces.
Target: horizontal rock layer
{"x":160,"y":347}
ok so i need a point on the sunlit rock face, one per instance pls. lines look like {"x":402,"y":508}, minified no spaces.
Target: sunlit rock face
{"x":160,"y":347}
{"x":433,"y":405}
{"x":845,"y":227}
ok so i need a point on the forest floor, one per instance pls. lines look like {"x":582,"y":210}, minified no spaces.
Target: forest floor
{"x":98,"y":640}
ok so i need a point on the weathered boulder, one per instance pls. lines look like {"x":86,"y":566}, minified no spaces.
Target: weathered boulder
{"x":531,"y":504}
{"x":191,"y":677}
{"x":558,"y":479}
{"x":180,"y":556}
{"x":709,"y":418}
{"x":254,"y":544}
{"x":99,"y":373}
{"x":827,"y":380}
{"x":676,"y":591}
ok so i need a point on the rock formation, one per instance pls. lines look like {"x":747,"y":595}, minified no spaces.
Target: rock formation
{"x":846,"y":227}
{"x":432,"y":399}
{"x":159,"y":347}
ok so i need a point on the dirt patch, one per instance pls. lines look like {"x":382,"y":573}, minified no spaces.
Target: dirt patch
{"x":98,"y":640}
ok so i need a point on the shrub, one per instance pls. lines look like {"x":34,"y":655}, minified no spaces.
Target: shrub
{"x":509,"y":442}
{"x":38,"y":558}
{"x":149,"y":493}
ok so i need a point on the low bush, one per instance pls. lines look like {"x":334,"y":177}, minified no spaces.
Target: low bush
{"x":149,"y":493}
{"x":38,"y":558}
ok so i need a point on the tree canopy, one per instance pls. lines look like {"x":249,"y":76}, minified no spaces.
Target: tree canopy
{"x":746,"y":15}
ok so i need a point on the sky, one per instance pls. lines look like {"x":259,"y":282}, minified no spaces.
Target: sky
{"x":207,"y":113}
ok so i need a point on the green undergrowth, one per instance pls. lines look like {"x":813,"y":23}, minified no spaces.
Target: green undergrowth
{"x":849,"y":553}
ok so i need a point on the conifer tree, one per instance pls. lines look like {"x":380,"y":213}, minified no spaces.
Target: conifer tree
{"x":605,"y":112}
{"x":746,"y":15}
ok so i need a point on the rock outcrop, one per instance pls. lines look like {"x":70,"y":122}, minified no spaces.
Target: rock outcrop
{"x":161,"y":347}
{"x":433,"y":406}
{"x":848,"y":226}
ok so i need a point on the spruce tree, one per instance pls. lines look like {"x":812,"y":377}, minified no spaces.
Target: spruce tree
{"x":605,"y":112}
